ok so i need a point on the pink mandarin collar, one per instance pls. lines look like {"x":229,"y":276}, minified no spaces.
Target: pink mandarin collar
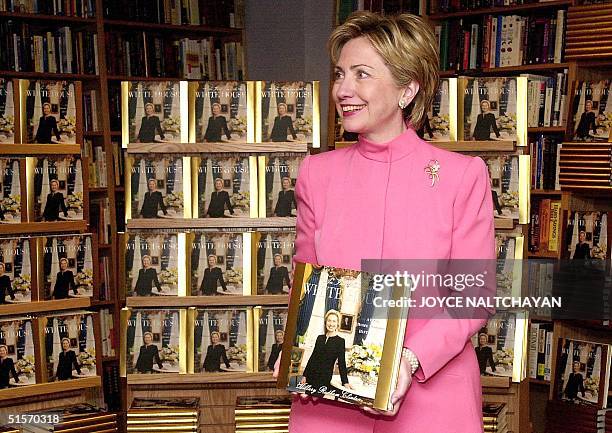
{"x":398,"y":148}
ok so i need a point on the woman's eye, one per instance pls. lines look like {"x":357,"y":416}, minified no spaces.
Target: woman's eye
{"x":362,"y":74}
{"x":338,"y":75}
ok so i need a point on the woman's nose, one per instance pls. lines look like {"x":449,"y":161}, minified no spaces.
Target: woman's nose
{"x":345,"y":88}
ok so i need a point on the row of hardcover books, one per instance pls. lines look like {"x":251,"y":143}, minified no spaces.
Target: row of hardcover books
{"x":262,"y":414}
{"x":545,"y":157}
{"x":202,"y":60}
{"x":81,"y":418}
{"x":563,"y":417}
{"x":495,"y":417}
{"x":540,"y":351}
{"x":78,"y":8}
{"x":446,"y":6}
{"x":163,"y":415}
{"x":500,"y":41}
{"x":546,"y":100}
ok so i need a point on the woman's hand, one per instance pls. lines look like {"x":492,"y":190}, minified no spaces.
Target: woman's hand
{"x":403,"y":384}
{"x":348,"y":386}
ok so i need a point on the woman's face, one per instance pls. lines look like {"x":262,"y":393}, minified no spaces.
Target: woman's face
{"x":280,"y":336}
{"x":282,"y":109}
{"x":63,"y":264}
{"x":366,"y":94}
{"x":214,"y":338}
{"x":582,"y":237}
{"x":54,"y":186}
{"x":46,"y":109}
{"x":218,"y":184}
{"x":588,"y":105}
{"x":212,"y":261}
{"x":146,"y":262}
{"x":482,"y":340}
{"x":149,"y":109}
{"x":148,"y":339}
{"x":65,"y":344}
{"x":216,"y":109}
{"x":3,"y":352}
{"x":576,"y":367}
{"x":485,"y":106}
{"x":331,"y":323}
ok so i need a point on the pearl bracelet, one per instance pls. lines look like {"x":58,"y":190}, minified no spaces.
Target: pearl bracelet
{"x":411,"y":358}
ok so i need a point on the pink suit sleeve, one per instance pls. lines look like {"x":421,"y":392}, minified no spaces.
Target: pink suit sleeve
{"x":442,"y":338}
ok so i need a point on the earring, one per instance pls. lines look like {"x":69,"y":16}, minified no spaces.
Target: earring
{"x":402,"y":104}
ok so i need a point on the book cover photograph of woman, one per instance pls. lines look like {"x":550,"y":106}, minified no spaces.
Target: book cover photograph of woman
{"x":286,"y":110}
{"x":70,"y":345}
{"x":158,"y":187}
{"x":68,"y":266}
{"x":489,"y":108}
{"x":222,"y":340}
{"x":221,"y":111}
{"x":7,"y":111}
{"x":12,"y":190}
{"x":436,"y":126}
{"x":16,"y":258}
{"x":591,"y":112}
{"x":587,"y":234}
{"x":275,"y":250}
{"x":58,"y":188}
{"x":155,"y":264}
{"x":226,"y":186}
{"x":154,"y":342}
{"x":505,"y":184}
{"x":270,"y":335}
{"x":156,"y":111}
{"x":219,"y":265}
{"x":17,"y":358}
{"x":280,"y":175}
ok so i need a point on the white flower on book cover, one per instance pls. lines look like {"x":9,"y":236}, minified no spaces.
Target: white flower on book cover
{"x":238,"y":125}
{"x":172,"y":125}
{"x":67,"y":125}
{"x":88,"y":357}
{"x":11,"y":204}
{"x":241,"y":200}
{"x":26,"y":366}
{"x":169,"y":354}
{"x":238,"y":354}
{"x":504,"y":358}
{"x":22,"y":283}
{"x":175,"y":200}
{"x":364,"y":362}
{"x":168,"y":277}
{"x":75,"y":201}
{"x":85,"y":278}
{"x":7,"y":124}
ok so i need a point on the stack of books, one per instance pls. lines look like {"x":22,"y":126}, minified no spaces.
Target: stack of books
{"x":494,"y":417}
{"x":262,"y":414}
{"x":82,"y":418}
{"x":9,"y":429}
{"x":608,"y":421}
{"x":163,"y":415}
{"x":566,"y":417}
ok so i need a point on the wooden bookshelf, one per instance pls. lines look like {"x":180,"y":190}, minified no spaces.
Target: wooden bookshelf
{"x":211,"y":223}
{"x":44,"y":306}
{"x":197,"y":148}
{"x":206,"y":301}
{"x":503,"y":10}
{"x":198,"y":378}
{"x":43,"y":227}
{"x":49,"y":76}
{"x":183,"y":29}
{"x":50,"y":388}
{"x":46,"y":19}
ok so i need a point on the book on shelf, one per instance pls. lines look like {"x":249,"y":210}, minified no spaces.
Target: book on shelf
{"x":277,"y":177}
{"x":56,"y":186}
{"x":546,"y":99}
{"x":540,"y":275}
{"x":159,"y":186}
{"x":565,"y":417}
{"x":540,"y":351}
{"x":18,"y":270}
{"x":81,"y":417}
{"x":99,"y":219}
{"x":222,"y":339}
{"x":66,"y":266}
{"x":508,"y":173}
{"x":104,"y":276}
{"x":287,"y":111}
{"x":582,"y":373}
{"x":545,"y":153}
{"x":441,"y":121}
{"x":119,"y":164}
{"x":501,"y":346}
{"x":91,"y":117}
{"x":153,"y":263}
{"x":111,"y":386}
{"x":509,"y":274}
{"x":9,"y":111}
{"x":13,"y":209}
{"x":107,"y":326}
{"x":224,"y":185}
{"x":268,"y":336}
{"x":587,"y":235}
{"x":97,"y":173}
{"x":163,"y":414}
{"x":368,"y":371}
{"x":545,"y":231}
{"x":220,"y":263}
{"x":221,"y":111}
{"x":69,"y":345}
{"x":591,"y":111}
{"x":492,"y":108}
{"x":274,"y":261}
{"x":154,"y":112}
{"x":79,"y":8}
{"x":154,"y":341}
{"x":17,"y":340}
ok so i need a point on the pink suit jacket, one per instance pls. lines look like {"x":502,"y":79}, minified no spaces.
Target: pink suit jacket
{"x":373,"y":201}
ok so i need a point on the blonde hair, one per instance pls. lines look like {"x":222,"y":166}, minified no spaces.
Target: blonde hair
{"x":330,"y":312}
{"x":407,"y":45}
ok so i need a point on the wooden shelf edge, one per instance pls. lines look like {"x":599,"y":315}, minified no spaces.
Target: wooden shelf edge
{"x":36,"y":149}
{"x":199,"y":148}
{"x":41,"y":17}
{"x":48,"y":75}
{"x":475,"y":146}
{"x":46,"y":228}
{"x":506,"y":69}
{"x":546,"y":129}
{"x":539,"y":382}
{"x":205,"y":301}
{"x":211,"y":223}
{"x":198,"y":378}
{"x":181,"y":28}
{"x":495,"y":382}
{"x":50,"y":388}
{"x":504,"y":224}
{"x":501,"y":10}
{"x":44,"y":306}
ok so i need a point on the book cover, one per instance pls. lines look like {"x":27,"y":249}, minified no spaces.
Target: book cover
{"x":269,"y":336}
{"x":220,"y":263}
{"x":277,"y":184}
{"x":493,"y":108}
{"x":17,"y":278}
{"x":224,"y":185}
{"x":159,"y":186}
{"x":274,"y":261}
{"x":509,"y":247}
{"x":441,"y":121}
{"x":171,"y":404}
{"x":17,"y":343}
{"x":69,"y":345}
{"x":155,"y":341}
{"x":66,"y":266}
{"x":501,"y":346}
{"x":287,"y":111}
{"x":51,"y":112}
{"x":154,"y":264}
{"x":587,"y":235}
{"x":56,"y":188}
{"x":154,"y":112}
{"x":591,"y":113}
{"x":582,"y":372}
{"x":337,"y":305}
{"x":12,"y":189}
{"x":509,"y":174}
{"x":221,"y":111}
{"x":9,"y":112}
{"x":222,"y":340}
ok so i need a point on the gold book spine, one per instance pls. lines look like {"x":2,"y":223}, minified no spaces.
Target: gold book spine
{"x":316,"y":116}
{"x":256,"y":318}
{"x":182,"y":265}
{"x":184,"y":114}
{"x":280,"y":411}
{"x":253,"y":188}
{"x":247,"y":262}
{"x":259,"y":425}
{"x":251,"y":109}
{"x":261,"y":418}
{"x":521,"y":111}
{"x":524,"y":187}
{"x":165,"y":420}
{"x":125,"y":119}
{"x":153,"y":413}
{"x":125,"y":316}
{"x":453,"y":120}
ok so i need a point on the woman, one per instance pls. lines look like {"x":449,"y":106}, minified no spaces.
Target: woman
{"x":217,"y":125}
{"x":152,"y":201}
{"x":55,"y":203}
{"x":6,"y":288}
{"x":147,"y":277}
{"x":276,"y":349}
{"x":148,"y":354}
{"x":7,"y":368}
{"x":329,"y":349}
{"x":47,"y":126}
{"x":484,"y":354}
{"x":213,"y":275}
{"x":67,"y":359}
{"x":587,"y":122}
{"x":64,"y":281}
{"x":282,"y":124}
{"x":485,"y":122}
{"x":582,"y":250}
{"x":149,"y":126}
{"x":215,"y":353}
{"x":392,"y":195}
{"x":575,"y":382}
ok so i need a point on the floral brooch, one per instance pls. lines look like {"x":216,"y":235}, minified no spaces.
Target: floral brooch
{"x":432,"y":169}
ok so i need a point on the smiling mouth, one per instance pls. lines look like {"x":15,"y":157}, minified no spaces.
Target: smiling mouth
{"x":351,"y":108}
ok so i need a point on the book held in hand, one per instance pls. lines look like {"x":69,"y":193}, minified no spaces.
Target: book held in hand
{"x":337,"y":344}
